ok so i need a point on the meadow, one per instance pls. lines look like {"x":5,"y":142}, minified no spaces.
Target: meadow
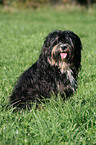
{"x":59,"y":122}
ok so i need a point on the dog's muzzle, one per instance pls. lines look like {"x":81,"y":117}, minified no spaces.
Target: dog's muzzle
{"x":62,"y":51}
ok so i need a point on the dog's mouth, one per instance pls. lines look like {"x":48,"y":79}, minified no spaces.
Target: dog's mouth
{"x":60,"y":56}
{"x":63,"y":55}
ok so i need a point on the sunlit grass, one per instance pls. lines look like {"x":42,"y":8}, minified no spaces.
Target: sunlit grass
{"x":58,"y":122}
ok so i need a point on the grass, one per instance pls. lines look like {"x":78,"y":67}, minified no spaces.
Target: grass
{"x":21,"y":38}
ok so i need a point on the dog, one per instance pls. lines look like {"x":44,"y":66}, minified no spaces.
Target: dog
{"x":55,"y":72}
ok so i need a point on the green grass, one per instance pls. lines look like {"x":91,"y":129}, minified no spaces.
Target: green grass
{"x":21,"y":37}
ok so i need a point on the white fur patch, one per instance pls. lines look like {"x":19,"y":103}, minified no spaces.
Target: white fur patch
{"x":73,"y":81}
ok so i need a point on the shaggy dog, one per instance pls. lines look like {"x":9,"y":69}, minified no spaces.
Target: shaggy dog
{"x":55,"y":72}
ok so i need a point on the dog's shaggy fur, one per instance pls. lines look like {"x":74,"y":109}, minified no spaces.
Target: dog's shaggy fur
{"x":55,"y":71}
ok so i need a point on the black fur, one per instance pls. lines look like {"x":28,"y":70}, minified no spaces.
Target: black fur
{"x":50,"y":74}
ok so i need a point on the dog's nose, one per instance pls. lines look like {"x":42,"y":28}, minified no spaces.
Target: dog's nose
{"x":63,"y":47}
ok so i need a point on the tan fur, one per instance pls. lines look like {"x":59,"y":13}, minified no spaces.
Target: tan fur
{"x":53,"y":50}
{"x":51,"y":60}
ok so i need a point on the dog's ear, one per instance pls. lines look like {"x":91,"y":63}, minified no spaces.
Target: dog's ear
{"x":77,"y":53}
{"x":50,"y":41}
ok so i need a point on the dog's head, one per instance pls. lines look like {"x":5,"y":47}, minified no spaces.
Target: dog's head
{"x":63,"y":50}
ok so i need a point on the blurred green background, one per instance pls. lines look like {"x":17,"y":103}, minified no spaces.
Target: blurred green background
{"x":38,"y":3}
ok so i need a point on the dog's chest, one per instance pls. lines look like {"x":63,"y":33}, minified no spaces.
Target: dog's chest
{"x":69,"y":82}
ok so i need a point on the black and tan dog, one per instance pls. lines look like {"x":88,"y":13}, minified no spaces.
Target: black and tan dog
{"x":55,"y":71}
